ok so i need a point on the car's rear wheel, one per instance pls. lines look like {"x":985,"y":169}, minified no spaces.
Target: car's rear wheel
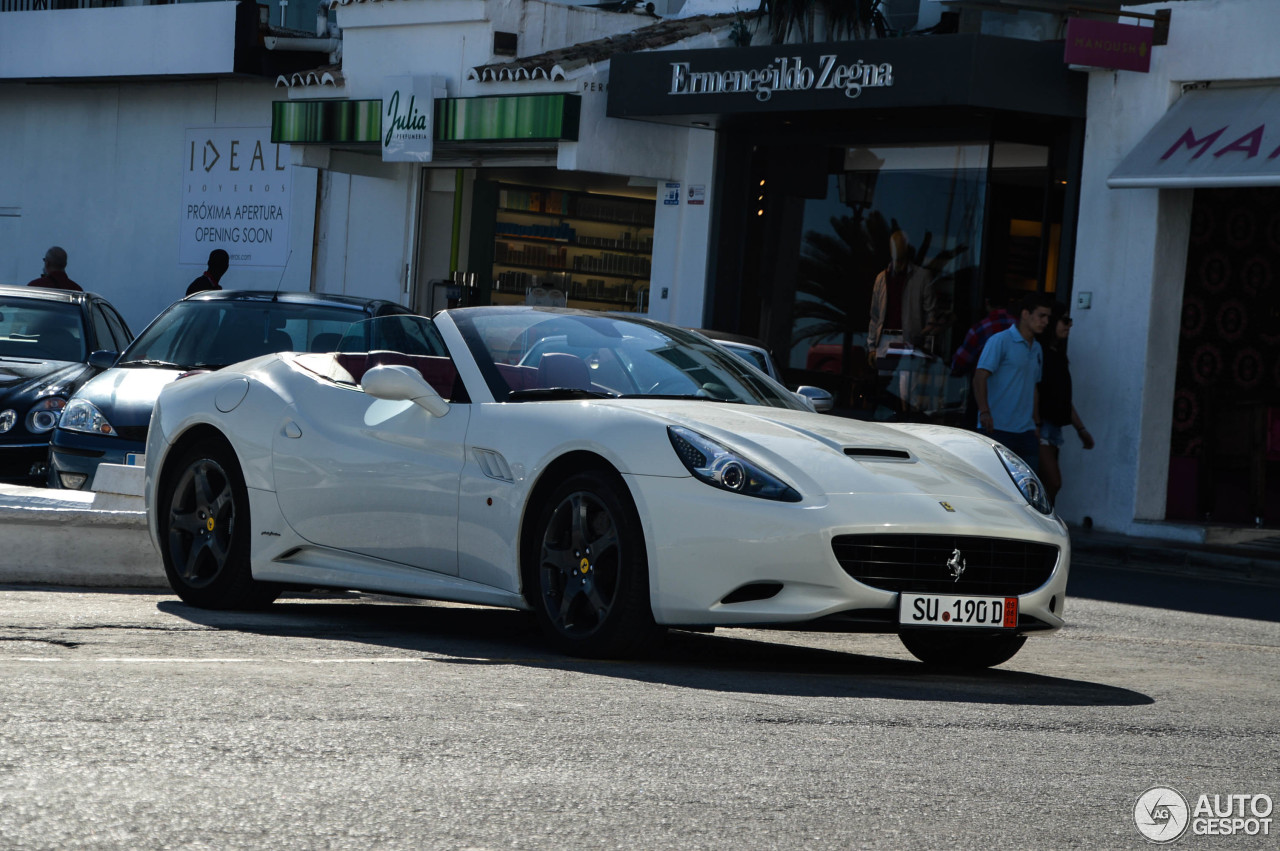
{"x":947,"y":650}
{"x":590,"y":577}
{"x":204,"y":531}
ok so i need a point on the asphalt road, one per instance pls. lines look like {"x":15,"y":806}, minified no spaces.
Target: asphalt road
{"x":128,"y":720}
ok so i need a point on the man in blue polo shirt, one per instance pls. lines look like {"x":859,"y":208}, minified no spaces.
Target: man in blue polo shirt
{"x":1004,"y":383}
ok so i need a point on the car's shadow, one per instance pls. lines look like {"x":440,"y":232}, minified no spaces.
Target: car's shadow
{"x":729,"y":660}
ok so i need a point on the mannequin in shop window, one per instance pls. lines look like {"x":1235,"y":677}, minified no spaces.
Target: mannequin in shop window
{"x":903,"y":304}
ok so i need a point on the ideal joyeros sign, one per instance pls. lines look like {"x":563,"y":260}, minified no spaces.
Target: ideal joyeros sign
{"x":236,"y":194}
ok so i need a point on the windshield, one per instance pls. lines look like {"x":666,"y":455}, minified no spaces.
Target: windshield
{"x":553,"y":354}
{"x":41,"y":330}
{"x":213,"y":334}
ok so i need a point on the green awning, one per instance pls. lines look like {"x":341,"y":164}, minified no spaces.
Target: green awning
{"x":306,"y":122}
{"x":513,"y":118}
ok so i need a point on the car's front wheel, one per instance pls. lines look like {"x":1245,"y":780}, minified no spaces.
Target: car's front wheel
{"x":947,"y":650}
{"x":590,"y":579}
{"x":204,"y":531}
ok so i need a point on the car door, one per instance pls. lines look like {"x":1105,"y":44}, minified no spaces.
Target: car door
{"x":370,"y":476}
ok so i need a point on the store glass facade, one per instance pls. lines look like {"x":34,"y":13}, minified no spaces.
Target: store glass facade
{"x":865,"y":264}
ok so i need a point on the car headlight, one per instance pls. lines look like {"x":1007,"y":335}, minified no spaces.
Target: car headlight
{"x":83,"y":415}
{"x":44,"y":414}
{"x":723,"y":468}
{"x":1026,"y":480}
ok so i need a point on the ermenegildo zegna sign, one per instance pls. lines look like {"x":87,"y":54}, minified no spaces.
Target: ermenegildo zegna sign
{"x":952,"y":70}
{"x":784,"y":74}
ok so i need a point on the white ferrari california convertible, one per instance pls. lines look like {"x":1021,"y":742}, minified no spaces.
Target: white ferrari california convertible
{"x":614,"y":475}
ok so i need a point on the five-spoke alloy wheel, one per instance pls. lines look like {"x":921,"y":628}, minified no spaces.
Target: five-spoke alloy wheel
{"x":204,"y":530}
{"x":590,"y":579}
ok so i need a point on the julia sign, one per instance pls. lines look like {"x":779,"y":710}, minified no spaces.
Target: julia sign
{"x":236,"y":194}
{"x":409,"y":118}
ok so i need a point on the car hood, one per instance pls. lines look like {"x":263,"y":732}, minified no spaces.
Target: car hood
{"x":24,"y":377}
{"x":847,"y":456}
{"x":126,"y":395}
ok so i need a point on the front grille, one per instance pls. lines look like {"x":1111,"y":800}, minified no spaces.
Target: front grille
{"x":918,"y":563}
{"x":137,"y":434}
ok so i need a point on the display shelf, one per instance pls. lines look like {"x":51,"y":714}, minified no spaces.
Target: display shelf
{"x":645,"y":250}
{"x":510,"y":297}
{"x":561,"y":270}
{"x":638,"y":222}
{"x":519,"y":238}
{"x":596,"y":249}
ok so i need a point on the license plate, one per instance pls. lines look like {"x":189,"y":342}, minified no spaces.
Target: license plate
{"x":135,"y":459}
{"x":957,"y":611}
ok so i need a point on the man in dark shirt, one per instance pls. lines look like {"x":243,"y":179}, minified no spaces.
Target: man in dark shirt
{"x":55,"y":272}
{"x":219,"y":260}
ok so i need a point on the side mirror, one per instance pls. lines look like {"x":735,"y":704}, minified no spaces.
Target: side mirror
{"x":398,"y":383}
{"x":103,"y":359}
{"x":822,"y":400}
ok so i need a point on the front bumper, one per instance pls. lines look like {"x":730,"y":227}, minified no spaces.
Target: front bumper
{"x":708,"y":548}
{"x":24,"y":463}
{"x":78,"y":454}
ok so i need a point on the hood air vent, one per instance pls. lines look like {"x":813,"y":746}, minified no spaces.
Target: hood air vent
{"x":875,"y":452}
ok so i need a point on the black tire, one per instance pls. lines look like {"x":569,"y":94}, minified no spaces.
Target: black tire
{"x":969,"y":652}
{"x":587,"y":571}
{"x":205,"y":531}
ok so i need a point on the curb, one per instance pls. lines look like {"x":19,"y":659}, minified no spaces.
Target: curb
{"x":56,"y":537}
{"x":1199,"y":561}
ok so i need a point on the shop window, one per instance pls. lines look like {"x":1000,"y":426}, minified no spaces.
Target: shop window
{"x":565,"y":247}
{"x":887,"y":267}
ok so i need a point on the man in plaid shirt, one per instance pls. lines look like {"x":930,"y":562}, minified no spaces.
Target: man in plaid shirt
{"x":966,"y":357}
{"x":996,"y":320}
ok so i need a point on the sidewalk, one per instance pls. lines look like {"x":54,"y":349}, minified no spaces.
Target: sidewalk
{"x":1223,"y":554}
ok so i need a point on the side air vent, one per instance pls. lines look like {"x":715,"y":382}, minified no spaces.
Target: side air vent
{"x":493,"y":465}
{"x":753,"y":591}
{"x":877,"y":452}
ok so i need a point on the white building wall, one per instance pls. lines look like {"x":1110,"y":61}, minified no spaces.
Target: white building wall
{"x":187,"y":38}
{"x":1131,"y":257}
{"x":98,"y":169}
{"x":449,"y":38}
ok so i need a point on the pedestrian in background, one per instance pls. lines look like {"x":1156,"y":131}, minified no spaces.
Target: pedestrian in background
{"x":997,"y":319}
{"x":1006,"y":381}
{"x":1056,"y":408}
{"x":219,"y":260}
{"x":54,"y":276}
{"x":965,"y":360}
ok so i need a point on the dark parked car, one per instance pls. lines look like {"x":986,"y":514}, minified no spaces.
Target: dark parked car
{"x":106,"y":421}
{"x":47,"y":339}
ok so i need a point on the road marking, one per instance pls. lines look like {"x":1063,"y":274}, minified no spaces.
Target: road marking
{"x":143,"y":660}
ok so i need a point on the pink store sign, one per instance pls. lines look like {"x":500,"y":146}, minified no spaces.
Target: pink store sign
{"x":1102,"y":44}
